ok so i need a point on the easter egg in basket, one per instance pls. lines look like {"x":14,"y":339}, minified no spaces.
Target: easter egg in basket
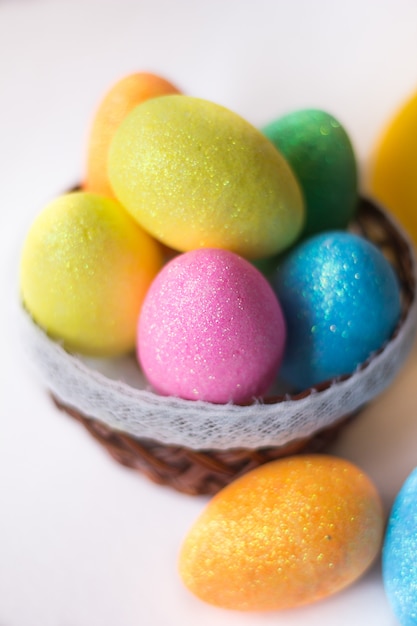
{"x":196,"y":175}
{"x":85,"y":269}
{"x":320,"y":152}
{"x":211,"y":328}
{"x":341,"y":300}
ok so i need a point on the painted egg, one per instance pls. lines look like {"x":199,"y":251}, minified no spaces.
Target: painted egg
{"x":341,"y":301}
{"x":321,"y":155}
{"x":124,"y":96}
{"x":196,"y":175}
{"x":393,"y":170}
{"x":399,"y":568}
{"x":210,"y":328}
{"x":85,"y":268}
{"x":286,"y":534}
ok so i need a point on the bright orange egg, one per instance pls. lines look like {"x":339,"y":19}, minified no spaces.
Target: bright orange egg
{"x":124,"y":96}
{"x":286,"y":534}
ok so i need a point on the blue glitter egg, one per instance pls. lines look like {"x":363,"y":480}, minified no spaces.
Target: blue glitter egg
{"x":399,"y":565}
{"x":341,"y":301}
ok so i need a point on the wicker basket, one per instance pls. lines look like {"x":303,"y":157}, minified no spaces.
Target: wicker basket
{"x":269,"y":426}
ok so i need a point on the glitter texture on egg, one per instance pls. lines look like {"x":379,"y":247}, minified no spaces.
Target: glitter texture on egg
{"x":287,"y":534}
{"x":122,"y":97}
{"x":211,"y":328}
{"x":321,"y":155}
{"x":196,"y":175}
{"x":399,"y":567}
{"x":85,"y":269}
{"x":341,"y":301}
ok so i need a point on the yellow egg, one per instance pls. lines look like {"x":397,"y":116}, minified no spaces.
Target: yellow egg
{"x":195,"y":174}
{"x":286,"y":534}
{"x":393,"y":179}
{"x":123,"y":96}
{"x":85,"y":269}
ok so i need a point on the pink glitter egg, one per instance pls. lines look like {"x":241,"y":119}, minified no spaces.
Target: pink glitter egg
{"x":211,"y":328}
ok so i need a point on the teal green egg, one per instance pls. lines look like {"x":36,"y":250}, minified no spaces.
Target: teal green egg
{"x":321,"y":155}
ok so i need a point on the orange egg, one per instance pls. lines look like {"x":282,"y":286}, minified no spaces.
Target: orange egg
{"x":286,"y":534}
{"x":393,"y":179}
{"x":124,"y":96}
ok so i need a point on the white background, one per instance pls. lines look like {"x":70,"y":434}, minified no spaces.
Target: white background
{"x":84,"y":542}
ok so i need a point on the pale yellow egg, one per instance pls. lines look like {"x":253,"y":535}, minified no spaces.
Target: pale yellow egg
{"x":197,"y":175}
{"x":85,"y":269}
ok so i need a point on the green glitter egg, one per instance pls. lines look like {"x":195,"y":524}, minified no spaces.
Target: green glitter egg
{"x":196,"y":175}
{"x":321,"y":155}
